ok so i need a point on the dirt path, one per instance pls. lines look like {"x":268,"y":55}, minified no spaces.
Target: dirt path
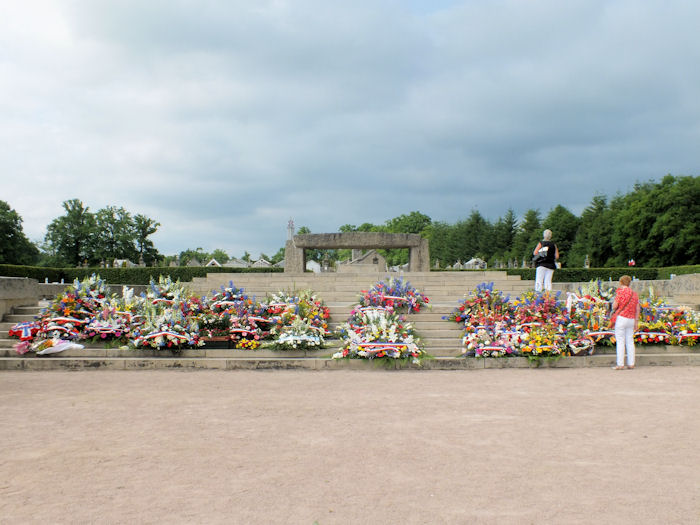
{"x":483,"y":446}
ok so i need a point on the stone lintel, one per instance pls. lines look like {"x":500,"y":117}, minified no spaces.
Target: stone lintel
{"x":360,"y":240}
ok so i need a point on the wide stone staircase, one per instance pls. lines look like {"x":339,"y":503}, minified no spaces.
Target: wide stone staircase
{"x":340,"y":292}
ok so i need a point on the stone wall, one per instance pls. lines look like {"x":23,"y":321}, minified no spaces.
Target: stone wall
{"x":680,"y":289}
{"x":17,"y":291}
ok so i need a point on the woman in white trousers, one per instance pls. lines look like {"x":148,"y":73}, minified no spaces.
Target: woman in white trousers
{"x":546,"y":254}
{"x":626,"y":308}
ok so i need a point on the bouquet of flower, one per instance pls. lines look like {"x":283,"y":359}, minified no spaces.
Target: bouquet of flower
{"x":655,"y":332}
{"x":489,"y":342}
{"x":299,"y":335}
{"x":107,"y":325}
{"x":544,"y":341}
{"x":166,"y":291}
{"x":167,"y":329}
{"x":241,"y":327}
{"x":46,"y":346}
{"x":687,"y":329}
{"x":69,"y":313}
{"x":285,"y":308}
{"x":482,"y":306}
{"x":379,"y":332}
{"x":395,"y":293}
{"x":226,"y":298}
{"x":247,"y":344}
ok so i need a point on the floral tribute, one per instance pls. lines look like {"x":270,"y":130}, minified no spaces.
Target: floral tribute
{"x":230,"y":313}
{"x":590,"y":310}
{"x":168,"y":317}
{"x":540,"y":325}
{"x":167,"y":329}
{"x":298,"y":320}
{"x":68,"y":315}
{"x":485,"y":314}
{"x":395,"y":293}
{"x":375,"y":332}
{"x":299,"y":335}
{"x":377,"y":327}
{"x":534,"y":325}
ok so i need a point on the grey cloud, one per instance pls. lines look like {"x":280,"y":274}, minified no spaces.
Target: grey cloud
{"x":223,"y":119}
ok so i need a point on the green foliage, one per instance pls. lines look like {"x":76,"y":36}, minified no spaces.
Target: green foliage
{"x":144,"y":228}
{"x":659,"y":224}
{"x":593,"y":238}
{"x":114,"y":235}
{"x":138,"y":275}
{"x":528,"y":235}
{"x":414,"y":222}
{"x":577,"y":275}
{"x":33,"y":272}
{"x":665,"y":273}
{"x":220,"y":255}
{"x":81,"y":236}
{"x":70,"y":237}
{"x":15,"y":248}
{"x":441,"y":249}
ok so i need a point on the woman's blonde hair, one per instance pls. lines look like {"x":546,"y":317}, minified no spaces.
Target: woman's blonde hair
{"x":547,"y":235}
{"x":625,"y":280}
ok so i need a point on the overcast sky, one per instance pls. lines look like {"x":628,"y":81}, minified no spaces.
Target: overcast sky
{"x":224,"y":119}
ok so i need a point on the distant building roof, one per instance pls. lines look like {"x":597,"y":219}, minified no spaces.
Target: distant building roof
{"x":236,"y":263}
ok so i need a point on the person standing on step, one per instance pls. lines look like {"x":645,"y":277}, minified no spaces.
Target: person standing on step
{"x":546,"y":255}
{"x":625,"y":315}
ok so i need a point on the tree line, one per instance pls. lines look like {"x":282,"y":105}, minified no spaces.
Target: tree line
{"x":80,"y":237}
{"x":656,"y":224}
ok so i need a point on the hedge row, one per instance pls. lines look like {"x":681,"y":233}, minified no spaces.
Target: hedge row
{"x":578,"y":275}
{"x":186,"y":274}
{"x":137,"y":275}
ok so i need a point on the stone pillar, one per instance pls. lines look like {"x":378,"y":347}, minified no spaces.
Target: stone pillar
{"x":294,"y":258}
{"x":419,"y":257}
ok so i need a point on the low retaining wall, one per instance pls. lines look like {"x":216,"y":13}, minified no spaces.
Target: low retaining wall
{"x":17,"y":291}
{"x":680,"y":288}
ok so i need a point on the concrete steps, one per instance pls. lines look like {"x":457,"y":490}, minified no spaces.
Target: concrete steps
{"x":340,"y":292}
{"x":315,"y":363}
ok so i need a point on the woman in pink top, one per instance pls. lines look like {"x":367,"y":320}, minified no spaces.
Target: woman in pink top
{"x":626,"y":306}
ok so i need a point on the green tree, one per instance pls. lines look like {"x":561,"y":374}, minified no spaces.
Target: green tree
{"x":198,"y":254}
{"x":115,"y":236}
{"x":470,"y":238}
{"x":220,"y":255}
{"x":70,"y":238}
{"x":15,"y":248}
{"x":414,"y":222}
{"x":657,"y":223}
{"x":439,"y":235}
{"x":504,"y":233}
{"x":527,"y":237}
{"x":676,"y":227}
{"x":144,"y":227}
{"x":593,"y":238}
{"x":277,"y":257}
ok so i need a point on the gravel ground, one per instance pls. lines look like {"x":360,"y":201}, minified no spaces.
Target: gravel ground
{"x":343,"y":447}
